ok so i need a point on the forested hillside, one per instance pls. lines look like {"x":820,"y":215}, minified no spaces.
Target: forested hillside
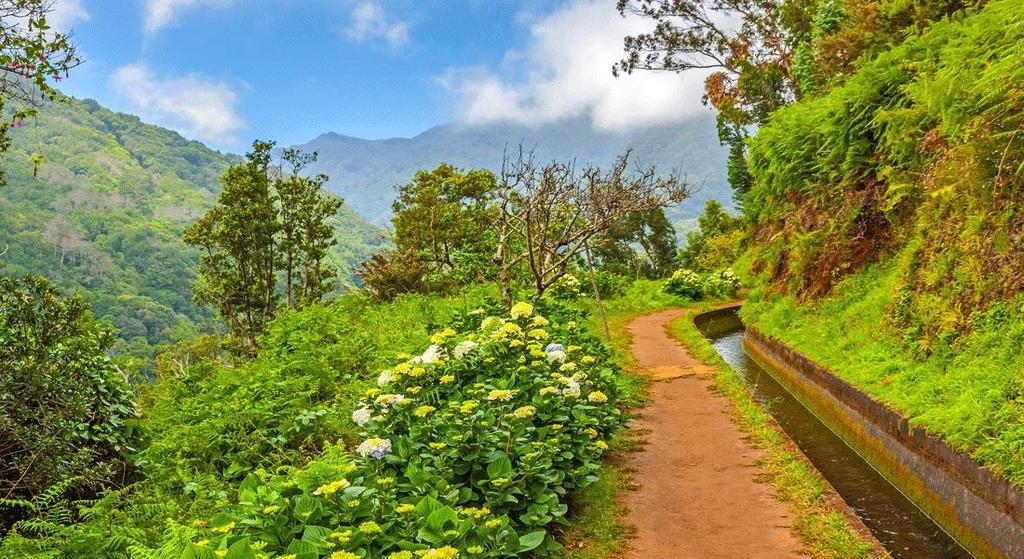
{"x":103,"y":215}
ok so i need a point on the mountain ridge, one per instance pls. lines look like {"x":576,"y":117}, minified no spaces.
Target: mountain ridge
{"x":366,"y":172}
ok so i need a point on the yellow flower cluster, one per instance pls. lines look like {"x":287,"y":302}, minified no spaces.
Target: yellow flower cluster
{"x":341,"y":537}
{"x":524,"y":412}
{"x":332,"y":487}
{"x":442,"y":336}
{"x":521,"y":310}
{"x":370,"y":528}
{"x":475,"y":512}
{"x":597,"y":397}
{"x":499,"y":395}
{"x":405,"y":508}
{"x":446,"y":552}
{"x":537,"y":334}
{"x":344,"y":555}
{"x":424,"y":411}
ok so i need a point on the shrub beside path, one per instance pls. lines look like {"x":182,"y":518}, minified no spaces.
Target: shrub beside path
{"x":698,"y":494}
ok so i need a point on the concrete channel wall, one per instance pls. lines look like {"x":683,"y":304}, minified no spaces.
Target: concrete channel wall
{"x":983,"y":511}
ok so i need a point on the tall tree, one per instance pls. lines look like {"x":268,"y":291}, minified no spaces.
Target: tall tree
{"x":443,"y":234}
{"x":444,"y":215}
{"x":715,"y":242}
{"x":749,"y":44}
{"x":267,"y":222}
{"x":238,"y":249}
{"x":306,"y":234}
{"x":642,"y":244}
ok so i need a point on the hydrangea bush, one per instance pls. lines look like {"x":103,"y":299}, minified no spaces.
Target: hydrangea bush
{"x":694,"y":286}
{"x":468,"y":450}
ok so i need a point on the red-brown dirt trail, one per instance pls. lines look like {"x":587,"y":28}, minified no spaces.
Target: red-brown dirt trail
{"x":698,"y":494}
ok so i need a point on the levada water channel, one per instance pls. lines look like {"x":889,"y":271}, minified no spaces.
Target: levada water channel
{"x":902,"y":528}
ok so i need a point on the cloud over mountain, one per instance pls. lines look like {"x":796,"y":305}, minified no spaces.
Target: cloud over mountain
{"x":564,"y":71}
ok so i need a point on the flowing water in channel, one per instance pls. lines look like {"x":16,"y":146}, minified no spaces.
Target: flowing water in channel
{"x":904,"y":530}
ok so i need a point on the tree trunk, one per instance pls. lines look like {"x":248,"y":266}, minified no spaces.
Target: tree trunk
{"x":597,"y":293}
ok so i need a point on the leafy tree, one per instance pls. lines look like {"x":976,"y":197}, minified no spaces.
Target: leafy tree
{"x":651,"y":232}
{"x":714,"y":244}
{"x":443,"y":234}
{"x":444,"y":216}
{"x":387,"y":275}
{"x":238,"y":249}
{"x":64,"y":404}
{"x":32,"y":55}
{"x":753,"y":61}
{"x":266,"y":222}
{"x":306,"y":234}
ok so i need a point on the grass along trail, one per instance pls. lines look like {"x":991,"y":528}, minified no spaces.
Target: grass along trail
{"x":698,"y":492}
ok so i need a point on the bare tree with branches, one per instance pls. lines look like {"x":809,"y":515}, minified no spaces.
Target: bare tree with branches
{"x":548,"y":213}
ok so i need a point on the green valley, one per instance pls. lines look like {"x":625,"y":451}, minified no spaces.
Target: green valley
{"x":103,"y":216}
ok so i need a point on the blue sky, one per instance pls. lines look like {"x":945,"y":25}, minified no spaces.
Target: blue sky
{"x":227,"y":71}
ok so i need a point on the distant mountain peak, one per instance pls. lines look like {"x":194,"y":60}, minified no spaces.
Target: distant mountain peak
{"x":365,"y":172}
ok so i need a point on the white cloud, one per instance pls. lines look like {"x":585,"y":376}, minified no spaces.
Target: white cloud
{"x":565,"y":71}
{"x":64,"y":13}
{"x":160,"y":13}
{"x":368,"y":22}
{"x":196,"y":106}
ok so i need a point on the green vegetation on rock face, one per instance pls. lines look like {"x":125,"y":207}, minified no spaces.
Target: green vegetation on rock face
{"x":916,"y":153}
{"x":970,"y":393}
{"x":888,"y":219}
{"x":103,"y":217}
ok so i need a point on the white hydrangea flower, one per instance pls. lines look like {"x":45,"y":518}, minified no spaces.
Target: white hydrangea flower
{"x":432,"y":355}
{"x":572,"y":389}
{"x":463,"y":348}
{"x":556,"y":356}
{"x":361,"y":416}
{"x":377,"y":448}
{"x":385,"y":378}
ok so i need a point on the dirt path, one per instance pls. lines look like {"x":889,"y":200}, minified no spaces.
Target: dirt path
{"x":698,"y":496}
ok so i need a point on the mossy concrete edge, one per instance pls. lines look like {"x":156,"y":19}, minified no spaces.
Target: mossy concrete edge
{"x":983,"y":511}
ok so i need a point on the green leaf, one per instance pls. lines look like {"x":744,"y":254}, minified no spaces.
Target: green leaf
{"x":531,"y":540}
{"x":500,"y":468}
{"x":241,"y":550}
{"x":315,"y":534}
{"x":440,"y":518}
